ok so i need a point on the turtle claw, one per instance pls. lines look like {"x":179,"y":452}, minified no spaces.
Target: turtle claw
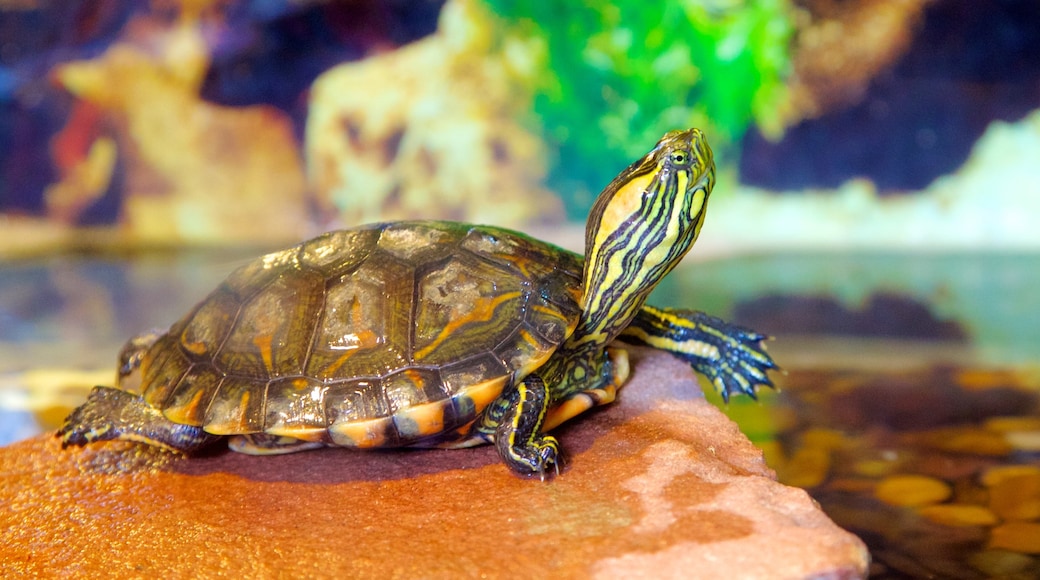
{"x":90,"y":421}
{"x":732,"y":357}
{"x":517,"y":435}
{"x":536,"y":456}
{"x":557,"y":465}
{"x":549,"y":455}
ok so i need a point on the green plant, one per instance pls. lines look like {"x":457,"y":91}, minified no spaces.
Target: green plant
{"x":617,"y":75}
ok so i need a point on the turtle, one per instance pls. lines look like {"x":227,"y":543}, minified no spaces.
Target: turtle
{"x":432,"y":333}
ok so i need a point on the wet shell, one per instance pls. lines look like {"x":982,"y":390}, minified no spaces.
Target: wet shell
{"x":385,"y":335}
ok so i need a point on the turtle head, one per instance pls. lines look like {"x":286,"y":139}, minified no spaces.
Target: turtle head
{"x":640,"y":227}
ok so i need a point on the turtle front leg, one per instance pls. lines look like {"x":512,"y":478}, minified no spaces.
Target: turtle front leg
{"x":731,"y":357}
{"x":116,"y":414}
{"x":516,"y":423}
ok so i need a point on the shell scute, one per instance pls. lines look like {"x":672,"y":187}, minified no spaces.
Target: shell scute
{"x":206,"y":329}
{"x":531,"y":259}
{"x":465,"y":305}
{"x":254,"y":275}
{"x":338,"y":253}
{"x":162,"y":369}
{"x":295,"y":407}
{"x":272,"y":334}
{"x":412,"y":387}
{"x":364,"y":328}
{"x":463,"y":374}
{"x":190,"y":398}
{"x":238,"y":407}
{"x":419,"y":243}
{"x":355,"y":401}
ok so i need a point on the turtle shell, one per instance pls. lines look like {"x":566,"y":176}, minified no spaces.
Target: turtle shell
{"x":379,"y":336}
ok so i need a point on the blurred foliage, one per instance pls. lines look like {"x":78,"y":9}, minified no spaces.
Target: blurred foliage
{"x":617,"y":75}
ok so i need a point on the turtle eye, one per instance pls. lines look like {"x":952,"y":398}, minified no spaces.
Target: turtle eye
{"x":680,"y":158}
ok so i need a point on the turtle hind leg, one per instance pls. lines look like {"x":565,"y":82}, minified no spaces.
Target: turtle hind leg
{"x":115,"y":414}
{"x":516,"y":422}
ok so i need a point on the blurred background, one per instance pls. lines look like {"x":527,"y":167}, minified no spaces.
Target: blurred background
{"x":876,"y":206}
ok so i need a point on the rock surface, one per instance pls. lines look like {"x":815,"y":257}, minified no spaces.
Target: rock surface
{"x":660,"y":484}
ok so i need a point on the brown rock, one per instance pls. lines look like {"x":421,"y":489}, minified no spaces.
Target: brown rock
{"x":660,"y":484}
{"x":191,"y":171}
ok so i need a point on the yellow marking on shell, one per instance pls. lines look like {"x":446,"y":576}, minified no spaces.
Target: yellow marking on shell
{"x":229,"y":428}
{"x":314,"y":434}
{"x":185,"y":414}
{"x":546,"y":310}
{"x":527,"y":336}
{"x":263,"y":343}
{"x":555,"y":313}
{"x":365,"y":338}
{"x":416,"y":378}
{"x":428,"y":418}
{"x":197,"y":348}
{"x":340,"y":361}
{"x":361,"y":434}
{"x":519,"y":262}
{"x":482,"y":394}
{"x":533,"y":364}
{"x":483,"y":309}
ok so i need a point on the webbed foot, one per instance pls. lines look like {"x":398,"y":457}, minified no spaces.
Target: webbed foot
{"x":730,"y":356}
{"x":116,"y":414}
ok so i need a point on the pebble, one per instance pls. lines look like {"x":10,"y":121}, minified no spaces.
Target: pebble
{"x":966,"y":440}
{"x":1017,"y":497}
{"x":1000,"y":562}
{"x":1005,"y":424}
{"x":995,"y":475}
{"x":874,"y":467}
{"x":959,"y":514}
{"x":958,"y":498}
{"x":807,"y":468}
{"x":967,"y":490}
{"x":1028,"y":441}
{"x":912,"y":490}
{"x":980,"y":379}
{"x":860,"y":486}
{"x":1016,"y":536}
{"x":828,"y":439}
